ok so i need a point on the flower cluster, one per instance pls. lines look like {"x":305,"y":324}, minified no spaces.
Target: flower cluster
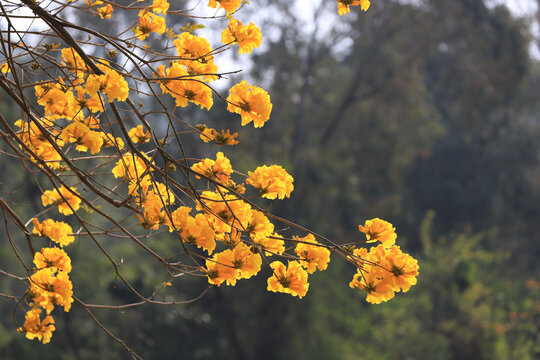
{"x":292,"y":279}
{"x":50,"y":284}
{"x":385,"y":269}
{"x":230,"y":235}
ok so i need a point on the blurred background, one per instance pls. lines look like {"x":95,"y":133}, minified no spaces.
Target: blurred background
{"x":424,"y":113}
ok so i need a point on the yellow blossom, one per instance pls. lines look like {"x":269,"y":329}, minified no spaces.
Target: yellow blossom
{"x":160,"y":7}
{"x":383,"y":271}
{"x":52,"y":257}
{"x":34,"y":327}
{"x":57,"y":231}
{"x":290,"y":280}
{"x":138,"y":135}
{"x":224,"y":211}
{"x":57,"y":101}
{"x":179,"y":218}
{"x":219,"y":169}
{"x":80,"y":134}
{"x":196,"y":55}
{"x":378,"y":288}
{"x":4,"y":68}
{"x":185,"y":88}
{"x":379,"y":230}
{"x":35,"y":140}
{"x":218,"y":273}
{"x":272,"y":244}
{"x":259,"y":225}
{"x":401,"y":268}
{"x":93,"y":103}
{"x":149,"y":23}
{"x":105,"y":12}
{"x":230,"y":6}
{"x":251,"y":102}
{"x":272,"y":181}
{"x":73,"y":61}
{"x":225,"y":138}
{"x":312,"y":255}
{"x":130,"y":167}
{"x":49,"y":287}
{"x":67,"y":201}
{"x":111,"y":84}
{"x":198,"y":231}
{"x":248,"y":37}
{"x":241,"y":258}
{"x":343,"y":5}
{"x":109,"y":141}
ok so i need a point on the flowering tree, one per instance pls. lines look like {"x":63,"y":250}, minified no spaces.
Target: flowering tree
{"x":132,"y":185}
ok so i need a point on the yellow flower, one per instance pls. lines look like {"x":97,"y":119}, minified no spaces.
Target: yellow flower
{"x":272,"y":181}
{"x":109,"y":140}
{"x":248,"y":37}
{"x":138,"y":136}
{"x":230,"y":6}
{"x":259,"y":225}
{"x":217,"y":272}
{"x":49,"y":287}
{"x":36,"y":328}
{"x":251,"y":102}
{"x":312,"y":255}
{"x":4,"y":68}
{"x":224,"y":211}
{"x":179,"y":218}
{"x":94,"y":104}
{"x":152,"y":218}
{"x":373,"y":281}
{"x":160,"y":6}
{"x":52,"y":257}
{"x":243,"y":260}
{"x":80,"y":134}
{"x":111,"y":84}
{"x":343,"y":5}
{"x":57,"y":231}
{"x":185,"y":88}
{"x":130,"y":167}
{"x":67,"y":201}
{"x":198,"y":231}
{"x":402,"y":267}
{"x":32,"y":137}
{"x":196,"y":55}
{"x":382,"y":272}
{"x":105,"y":12}
{"x":209,"y":134}
{"x":74,"y":62}
{"x":149,"y":23}
{"x":271,"y":244}
{"x":291,"y":280}
{"x":379,"y":230}
{"x":56,"y":100}
{"x":220,"y":169}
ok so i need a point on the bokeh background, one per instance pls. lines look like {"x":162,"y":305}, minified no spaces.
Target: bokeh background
{"x":424,"y":113}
